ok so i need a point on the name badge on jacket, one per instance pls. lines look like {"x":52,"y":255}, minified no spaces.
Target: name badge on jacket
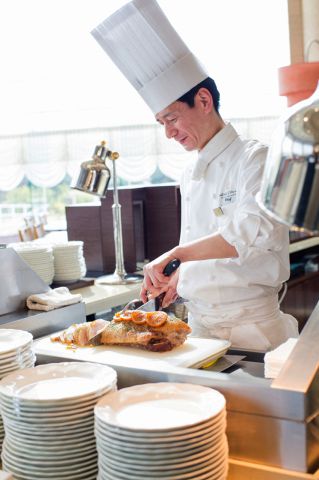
{"x":227,"y":198}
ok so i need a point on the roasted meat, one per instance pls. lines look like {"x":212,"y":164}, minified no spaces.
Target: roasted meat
{"x":154,"y":331}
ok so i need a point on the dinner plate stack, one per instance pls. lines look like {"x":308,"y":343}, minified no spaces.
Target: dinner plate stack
{"x":48,"y":415}
{"x":38,"y":257}
{"x":15,"y":353}
{"x":166,"y":431}
{"x":69,"y":262}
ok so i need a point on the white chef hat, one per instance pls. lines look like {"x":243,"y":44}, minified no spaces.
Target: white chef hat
{"x":143,"y":44}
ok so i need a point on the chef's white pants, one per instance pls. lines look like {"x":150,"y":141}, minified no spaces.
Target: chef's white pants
{"x":253,"y":324}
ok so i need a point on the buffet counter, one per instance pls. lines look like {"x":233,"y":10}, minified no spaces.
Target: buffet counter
{"x":273,"y":425}
{"x":99,"y":298}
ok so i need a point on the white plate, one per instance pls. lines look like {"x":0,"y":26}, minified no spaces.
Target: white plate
{"x":49,"y":408}
{"x":61,"y":451}
{"x":160,"y":406}
{"x":212,"y":431}
{"x":32,"y":473}
{"x":65,"y":405}
{"x":33,"y":251}
{"x":85,"y":476}
{"x":42,"y":415}
{"x":112,"y":474}
{"x":206,"y":476}
{"x":206,"y":440}
{"x":46,"y":428}
{"x":216,"y":421}
{"x":53,"y":439}
{"x":15,"y":354}
{"x":210,"y":461}
{"x":21,"y":456}
{"x":69,"y":244}
{"x":12,"y":340}
{"x":58,"y":381}
{"x":17,"y":368}
{"x":49,"y":422}
{"x":156,"y":458}
{"x":213,"y":454}
{"x":25,"y":356}
{"x":13,"y":367}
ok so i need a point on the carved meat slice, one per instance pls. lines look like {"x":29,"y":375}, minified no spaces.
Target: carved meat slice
{"x":80,"y":333}
{"x":157,"y":332}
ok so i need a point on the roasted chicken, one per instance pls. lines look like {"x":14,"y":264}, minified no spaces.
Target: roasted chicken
{"x":154,"y":331}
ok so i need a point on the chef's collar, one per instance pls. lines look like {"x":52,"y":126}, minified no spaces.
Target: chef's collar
{"x":213,"y":149}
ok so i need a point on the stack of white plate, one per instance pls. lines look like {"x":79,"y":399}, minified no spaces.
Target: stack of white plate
{"x":15,"y":353}
{"x":48,"y":416}
{"x":38,"y":257}
{"x":69,"y":262}
{"x":166,"y":431}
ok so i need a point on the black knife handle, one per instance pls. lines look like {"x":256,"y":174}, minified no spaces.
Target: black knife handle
{"x":171,"y":267}
{"x":168,"y":270}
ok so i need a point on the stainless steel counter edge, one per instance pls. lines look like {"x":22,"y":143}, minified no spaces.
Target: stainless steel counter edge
{"x":294,"y":395}
{"x":299,"y":372}
{"x":243,"y":393}
{"x":41,"y":323}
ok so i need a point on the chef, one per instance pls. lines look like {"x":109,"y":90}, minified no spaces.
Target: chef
{"x":234,"y":258}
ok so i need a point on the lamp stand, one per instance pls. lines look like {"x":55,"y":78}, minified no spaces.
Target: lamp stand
{"x":119,"y":277}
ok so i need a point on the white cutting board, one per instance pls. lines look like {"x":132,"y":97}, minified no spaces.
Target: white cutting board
{"x":195,"y":352}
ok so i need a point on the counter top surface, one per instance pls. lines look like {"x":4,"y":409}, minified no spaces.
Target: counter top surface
{"x":100,"y":298}
{"x":303,"y":244}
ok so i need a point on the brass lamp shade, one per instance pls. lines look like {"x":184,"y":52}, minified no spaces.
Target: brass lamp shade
{"x":94,"y":174}
{"x":290,"y":185}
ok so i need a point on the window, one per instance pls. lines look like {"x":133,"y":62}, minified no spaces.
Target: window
{"x":60,"y":94}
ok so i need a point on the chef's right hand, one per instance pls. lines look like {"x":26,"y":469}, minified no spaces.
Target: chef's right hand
{"x":155,"y":282}
{"x":170,"y":291}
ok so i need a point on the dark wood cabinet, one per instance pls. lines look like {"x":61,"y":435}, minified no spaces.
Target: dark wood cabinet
{"x":150,"y":226}
{"x":94,"y":226}
{"x":162,"y":219}
{"x":83,"y":223}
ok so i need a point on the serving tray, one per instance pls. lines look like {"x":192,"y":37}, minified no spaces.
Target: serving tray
{"x":195,"y":353}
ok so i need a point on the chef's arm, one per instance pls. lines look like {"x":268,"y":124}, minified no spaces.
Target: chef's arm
{"x":206,"y":248}
{"x":209,"y":247}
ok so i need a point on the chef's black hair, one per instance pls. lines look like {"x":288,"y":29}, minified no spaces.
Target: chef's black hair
{"x":210,"y":85}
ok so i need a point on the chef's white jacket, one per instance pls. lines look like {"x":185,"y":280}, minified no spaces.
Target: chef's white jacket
{"x":218,"y":195}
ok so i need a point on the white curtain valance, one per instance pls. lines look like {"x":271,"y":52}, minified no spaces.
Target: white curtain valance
{"x":45,"y":158}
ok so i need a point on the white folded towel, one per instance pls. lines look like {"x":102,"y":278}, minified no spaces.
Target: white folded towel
{"x":275,"y":359}
{"x":56,"y":298}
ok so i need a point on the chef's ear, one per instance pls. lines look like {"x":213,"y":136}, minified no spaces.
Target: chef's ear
{"x":204,"y":99}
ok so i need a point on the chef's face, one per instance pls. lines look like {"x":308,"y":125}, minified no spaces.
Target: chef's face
{"x":190,"y":126}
